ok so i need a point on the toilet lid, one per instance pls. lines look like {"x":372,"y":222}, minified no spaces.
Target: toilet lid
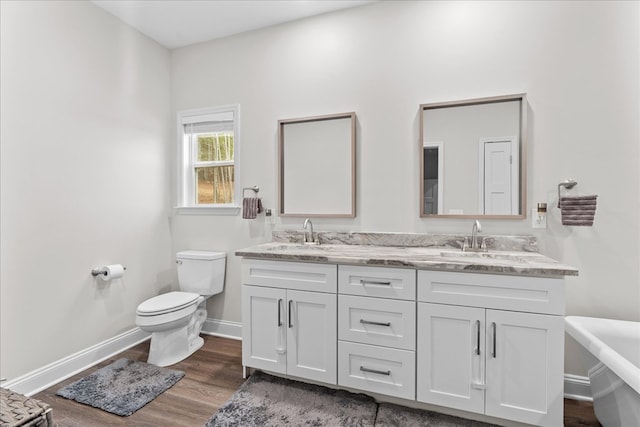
{"x":170,"y":301}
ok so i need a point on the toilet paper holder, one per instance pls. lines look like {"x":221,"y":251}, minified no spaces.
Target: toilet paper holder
{"x":102,"y":271}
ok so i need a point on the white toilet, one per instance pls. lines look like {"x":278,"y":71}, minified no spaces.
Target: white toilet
{"x":175,"y":318}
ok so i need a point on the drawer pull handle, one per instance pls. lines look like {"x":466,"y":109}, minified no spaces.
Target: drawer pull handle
{"x":375,"y":282}
{"x":371,"y":322}
{"x":477,"y":337}
{"x":493,"y":325}
{"x":374,"y":371}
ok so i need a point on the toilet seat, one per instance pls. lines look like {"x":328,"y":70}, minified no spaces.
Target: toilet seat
{"x":171,"y":308}
{"x":166,"y":303}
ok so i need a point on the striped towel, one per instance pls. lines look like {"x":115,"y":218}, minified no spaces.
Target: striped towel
{"x":578,"y":210}
{"x":251,"y":207}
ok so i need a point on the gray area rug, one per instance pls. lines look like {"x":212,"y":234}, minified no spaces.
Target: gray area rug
{"x":265,"y":400}
{"x":390,"y":415}
{"x":122,"y":387}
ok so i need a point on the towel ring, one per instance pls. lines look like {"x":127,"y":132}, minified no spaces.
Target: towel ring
{"x":255,"y":189}
{"x":568,"y":184}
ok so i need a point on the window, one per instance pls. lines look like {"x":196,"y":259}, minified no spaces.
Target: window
{"x":208,"y":147}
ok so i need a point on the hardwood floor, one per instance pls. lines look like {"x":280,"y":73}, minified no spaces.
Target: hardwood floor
{"x":212,"y":375}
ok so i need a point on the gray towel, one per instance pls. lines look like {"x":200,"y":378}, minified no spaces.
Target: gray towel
{"x":578,"y":210}
{"x":251,"y":207}
{"x":567,"y":207}
{"x":577,"y":222}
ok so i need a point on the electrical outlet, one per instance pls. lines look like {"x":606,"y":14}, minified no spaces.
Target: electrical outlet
{"x":538,"y":220}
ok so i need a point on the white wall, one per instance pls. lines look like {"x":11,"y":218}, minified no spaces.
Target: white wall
{"x":85,"y":131}
{"x":577,"y":61}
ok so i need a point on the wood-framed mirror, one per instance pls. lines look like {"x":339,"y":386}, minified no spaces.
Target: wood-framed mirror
{"x":317,"y":166}
{"x":473,"y":158}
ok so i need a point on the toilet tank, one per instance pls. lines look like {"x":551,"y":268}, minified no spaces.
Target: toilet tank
{"x":201,"y":272}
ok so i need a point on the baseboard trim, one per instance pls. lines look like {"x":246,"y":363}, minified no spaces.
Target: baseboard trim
{"x":42,"y":378}
{"x":47,"y":376}
{"x":577,"y":388}
{"x":222,"y":328}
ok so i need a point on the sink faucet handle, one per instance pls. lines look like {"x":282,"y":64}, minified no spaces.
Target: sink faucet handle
{"x":465,"y":243}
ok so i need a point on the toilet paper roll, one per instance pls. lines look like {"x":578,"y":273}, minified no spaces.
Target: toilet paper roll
{"x":114,"y":271}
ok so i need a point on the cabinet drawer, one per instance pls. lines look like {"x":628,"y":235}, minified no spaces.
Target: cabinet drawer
{"x":399,"y":283}
{"x":291,"y":275}
{"x":390,"y":323}
{"x":517,"y":293}
{"x":377,"y":369}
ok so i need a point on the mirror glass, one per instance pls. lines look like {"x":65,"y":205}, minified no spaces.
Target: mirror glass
{"x":317,"y":166}
{"x":472,"y":158}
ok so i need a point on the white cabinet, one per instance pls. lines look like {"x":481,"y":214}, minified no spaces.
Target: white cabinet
{"x":483,"y":343}
{"x":290,"y":331}
{"x":381,"y":282}
{"x":263,"y":330}
{"x":525,"y":366}
{"x":378,"y":369}
{"x":500,"y":363}
{"x":311,"y":335}
{"x":451,"y":349}
{"x":376,"y":332}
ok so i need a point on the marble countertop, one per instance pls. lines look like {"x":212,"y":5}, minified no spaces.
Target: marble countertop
{"x":427,"y":258}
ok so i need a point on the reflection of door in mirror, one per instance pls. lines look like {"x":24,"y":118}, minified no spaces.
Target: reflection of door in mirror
{"x":485,"y":166}
{"x":433,"y":182}
{"x":498,"y":176}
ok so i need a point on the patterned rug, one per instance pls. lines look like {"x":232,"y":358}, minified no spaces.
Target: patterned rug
{"x":122,"y":387}
{"x":390,"y":415}
{"x":265,"y":400}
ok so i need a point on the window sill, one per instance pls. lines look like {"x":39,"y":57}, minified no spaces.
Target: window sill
{"x":207,"y":210}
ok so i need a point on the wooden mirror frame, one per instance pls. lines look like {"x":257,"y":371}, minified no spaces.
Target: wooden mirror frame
{"x":350,"y":212}
{"x":522,"y":98}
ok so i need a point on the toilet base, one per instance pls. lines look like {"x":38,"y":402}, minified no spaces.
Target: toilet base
{"x":172,"y":346}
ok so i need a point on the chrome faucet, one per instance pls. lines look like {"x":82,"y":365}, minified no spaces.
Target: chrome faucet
{"x":477,"y":228}
{"x":474,"y":246}
{"x":310,"y":238}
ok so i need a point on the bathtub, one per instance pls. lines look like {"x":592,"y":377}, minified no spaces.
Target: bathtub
{"x":612,"y":355}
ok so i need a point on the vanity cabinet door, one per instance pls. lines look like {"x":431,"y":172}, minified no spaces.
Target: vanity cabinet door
{"x":525,"y":365}
{"x":264,"y":328}
{"x":450,"y":353}
{"x":312,"y":335}
{"x":290,"y":332}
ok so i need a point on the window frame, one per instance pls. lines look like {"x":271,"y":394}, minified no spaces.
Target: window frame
{"x":187,"y":161}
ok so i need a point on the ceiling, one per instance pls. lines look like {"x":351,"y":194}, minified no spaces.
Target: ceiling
{"x":175,"y":23}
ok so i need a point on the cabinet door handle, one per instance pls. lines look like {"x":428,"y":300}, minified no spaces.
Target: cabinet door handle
{"x":371,"y":322}
{"x":493,"y":325}
{"x":290,"y":323}
{"x":478,"y":337}
{"x":375,"y":282}
{"x":374,"y":371}
{"x":280,"y":312}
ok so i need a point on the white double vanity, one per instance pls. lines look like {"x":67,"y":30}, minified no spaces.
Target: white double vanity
{"x":478,"y":332}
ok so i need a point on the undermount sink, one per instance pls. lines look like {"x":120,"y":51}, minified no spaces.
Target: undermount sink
{"x":484,"y":256}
